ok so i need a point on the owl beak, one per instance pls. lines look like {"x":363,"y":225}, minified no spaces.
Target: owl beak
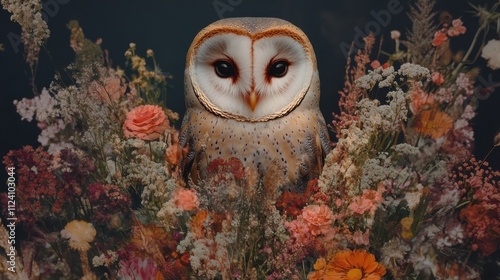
{"x":252,"y":99}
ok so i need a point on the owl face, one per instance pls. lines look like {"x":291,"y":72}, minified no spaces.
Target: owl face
{"x":250,"y":69}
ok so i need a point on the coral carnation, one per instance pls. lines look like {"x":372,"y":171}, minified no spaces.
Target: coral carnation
{"x":318,"y":218}
{"x":439,"y":38}
{"x":185,"y":199}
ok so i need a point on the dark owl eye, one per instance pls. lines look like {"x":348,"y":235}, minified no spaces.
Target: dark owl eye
{"x":224,"y":69}
{"x":278,"y":68}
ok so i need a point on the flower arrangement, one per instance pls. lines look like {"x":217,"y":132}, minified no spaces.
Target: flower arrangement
{"x":400,"y":197}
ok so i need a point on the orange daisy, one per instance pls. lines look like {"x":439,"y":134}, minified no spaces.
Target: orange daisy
{"x":433,"y":123}
{"x":354,"y":265}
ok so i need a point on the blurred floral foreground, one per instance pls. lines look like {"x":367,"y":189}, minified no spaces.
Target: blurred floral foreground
{"x":401,"y":196}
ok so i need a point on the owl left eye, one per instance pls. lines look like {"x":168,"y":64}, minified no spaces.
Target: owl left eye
{"x":225,"y":69}
{"x":278,"y":69}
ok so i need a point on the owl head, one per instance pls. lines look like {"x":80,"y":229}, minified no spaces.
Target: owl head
{"x":250,"y":69}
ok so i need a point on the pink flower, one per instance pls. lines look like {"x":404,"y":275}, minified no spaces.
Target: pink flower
{"x":299,"y":231}
{"x":138,"y":268}
{"x":361,"y":238}
{"x":419,"y":98}
{"x":360,"y":205}
{"x":437,"y":78}
{"x":368,"y":201}
{"x":439,"y":38}
{"x":457,"y":28}
{"x":375,"y":64}
{"x":110,"y":89}
{"x":318,"y":218}
{"x":185,"y":199}
{"x":146,"y":122}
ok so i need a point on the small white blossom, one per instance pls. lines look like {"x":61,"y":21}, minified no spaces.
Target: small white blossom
{"x":491,"y":52}
{"x":414,"y":71}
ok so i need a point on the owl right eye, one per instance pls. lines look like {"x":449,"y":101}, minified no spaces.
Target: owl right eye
{"x":224,"y":69}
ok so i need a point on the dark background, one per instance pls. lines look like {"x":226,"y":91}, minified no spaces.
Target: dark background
{"x":168,"y":28}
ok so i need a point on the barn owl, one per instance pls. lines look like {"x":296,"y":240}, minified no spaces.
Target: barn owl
{"x":252,"y":92}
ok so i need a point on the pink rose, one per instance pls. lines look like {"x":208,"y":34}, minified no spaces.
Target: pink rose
{"x":146,"y":122}
{"x":185,"y":199}
{"x":318,"y":218}
{"x":437,"y":78}
{"x":108,"y":90}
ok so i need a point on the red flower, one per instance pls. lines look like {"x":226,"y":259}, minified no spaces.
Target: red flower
{"x":232,"y":166}
{"x":439,"y":38}
{"x":37,"y":187}
{"x":291,"y":203}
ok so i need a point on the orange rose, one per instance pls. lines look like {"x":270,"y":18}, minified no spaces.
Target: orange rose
{"x":146,"y":122}
{"x":318,"y":218}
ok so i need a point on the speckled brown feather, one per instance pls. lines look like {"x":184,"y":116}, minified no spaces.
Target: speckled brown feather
{"x":297,"y":142}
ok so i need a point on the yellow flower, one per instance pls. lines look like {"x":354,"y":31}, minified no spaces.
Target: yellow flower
{"x":406,"y":223}
{"x":80,"y":234}
{"x":320,"y":264}
{"x":406,"y":235}
{"x":354,"y":265}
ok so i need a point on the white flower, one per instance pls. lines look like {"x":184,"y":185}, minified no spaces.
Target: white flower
{"x":414,"y":71}
{"x":491,"y":52}
{"x":395,"y":34}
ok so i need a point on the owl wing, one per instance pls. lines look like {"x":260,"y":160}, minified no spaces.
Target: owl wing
{"x":185,"y":141}
{"x":324,"y":139}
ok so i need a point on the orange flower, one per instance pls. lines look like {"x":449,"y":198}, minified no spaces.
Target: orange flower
{"x":146,"y":122}
{"x":354,"y":265}
{"x":439,"y":38}
{"x":196,"y":224}
{"x":433,"y":123}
